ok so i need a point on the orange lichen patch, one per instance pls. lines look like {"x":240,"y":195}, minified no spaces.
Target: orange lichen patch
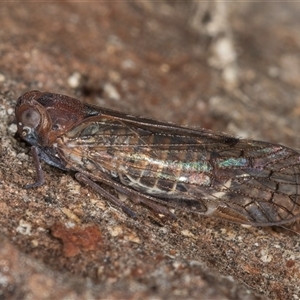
{"x":290,"y":263}
{"x":77,"y":238}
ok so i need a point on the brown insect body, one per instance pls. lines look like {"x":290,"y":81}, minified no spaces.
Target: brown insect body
{"x":156,"y":163}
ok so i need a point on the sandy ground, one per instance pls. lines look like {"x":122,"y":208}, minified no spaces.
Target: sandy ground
{"x":231,"y":67}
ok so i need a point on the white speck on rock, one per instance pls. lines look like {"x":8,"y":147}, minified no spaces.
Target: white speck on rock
{"x":74,"y":80}
{"x":111,"y":91}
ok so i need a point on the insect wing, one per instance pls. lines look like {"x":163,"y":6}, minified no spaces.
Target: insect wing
{"x":240,"y":180}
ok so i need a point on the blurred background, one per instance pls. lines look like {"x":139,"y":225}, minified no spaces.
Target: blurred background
{"x":222,"y":65}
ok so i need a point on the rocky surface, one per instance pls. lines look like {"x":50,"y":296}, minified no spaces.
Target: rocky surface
{"x":227,"y":67}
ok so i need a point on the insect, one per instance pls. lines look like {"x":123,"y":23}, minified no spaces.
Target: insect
{"x":162,"y":165}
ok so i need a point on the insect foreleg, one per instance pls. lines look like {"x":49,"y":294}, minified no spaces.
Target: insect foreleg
{"x":38,"y":167}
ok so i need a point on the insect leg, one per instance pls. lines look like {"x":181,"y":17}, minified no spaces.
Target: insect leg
{"x":84,"y":179}
{"x":146,"y":200}
{"x":38,"y":167}
{"x":135,"y":196}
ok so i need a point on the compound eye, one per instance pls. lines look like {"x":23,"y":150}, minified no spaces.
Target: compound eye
{"x":30,"y":118}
